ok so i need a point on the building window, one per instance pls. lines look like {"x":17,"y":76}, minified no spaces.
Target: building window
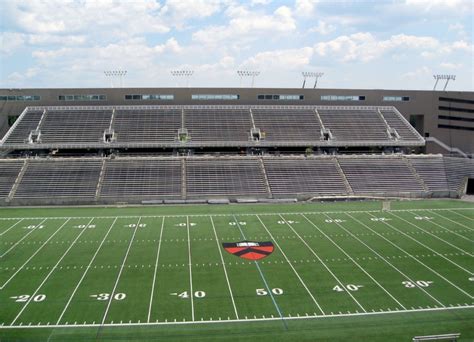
{"x":20,"y":97}
{"x":396,"y":98}
{"x":213,"y":97}
{"x":82,"y":97}
{"x":148,"y":97}
{"x":342,"y":98}
{"x":280,"y":97}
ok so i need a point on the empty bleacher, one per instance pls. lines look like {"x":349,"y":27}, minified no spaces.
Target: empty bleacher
{"x":431,"y":170}
{"x":208,"y":126}
{"x":141,"y":178}
{"x":404,"y":130}
{"x":354,"y":124}
{"x":146,"y":126}
{"x":379,"y":175}
{"x":217,"y":177}
{"x":9,"y":170}
{"x":74,"y":126}
{"x":19,"y":133}
{"x":316,"y":176}
{"x":218,"y":124}
{"x":290,"y":124}
{"x":457,"y":170}
{"x":61,"y":178}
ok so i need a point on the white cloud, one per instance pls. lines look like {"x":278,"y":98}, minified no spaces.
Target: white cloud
{"x":323,"y":28}
{"x":451,"y":65}
{"x":439,"y":5}
{"x":247,"y":24}
{"x":10,"y":41}
{"x":363,"y":46}
{"x":305,"y":8}
{"x":178,"y":11}
{"x":422,"y":72}
{"x":73,"y":17}
{"x":291,"y":59}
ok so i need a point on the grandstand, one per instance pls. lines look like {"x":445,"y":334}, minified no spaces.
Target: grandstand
{"x":191,"y":153}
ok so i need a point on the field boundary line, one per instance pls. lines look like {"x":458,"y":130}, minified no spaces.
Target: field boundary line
{"x":8,"y":229}
{"x":437,"y":237}
{"x":455,"y":222}
{"x":352,"y":259}
{"x":112,"y":294}
{"x":422,"y":263}
{"x":49,"y":274}
{"x":324,"y":264}
{"x":228,"y":214}
{"x":292,"y":267}
{"x":269,"y":291}
{"x":422,"y":244}
{"x":190,"y":270}
{"x":459,"y":214}
{"x":250,"y":320}
{"x":225,"y":268}
{"x":85,"y":272}
{"x":388,"y":262}
{"x":24,"y":237}
{"x":32,"y":256}
{"x":156,"y":269}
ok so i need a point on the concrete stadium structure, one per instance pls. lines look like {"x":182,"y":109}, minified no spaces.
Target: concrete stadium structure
{"x":444,"y":118}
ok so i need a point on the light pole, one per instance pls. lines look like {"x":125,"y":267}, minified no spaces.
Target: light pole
{"x":310,"y":74}
{"x":443,"y":77}
{"x":247,"y":73}
{"x":182,"y":73}
{"x":114,"y":74}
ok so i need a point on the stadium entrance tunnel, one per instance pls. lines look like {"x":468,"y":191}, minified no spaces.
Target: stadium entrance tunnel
{"x":470,"y":186}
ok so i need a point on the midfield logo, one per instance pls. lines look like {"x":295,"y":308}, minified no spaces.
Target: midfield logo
{"x":250,"y":250}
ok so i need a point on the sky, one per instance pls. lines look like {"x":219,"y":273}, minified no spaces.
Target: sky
{"x":356,"y":44}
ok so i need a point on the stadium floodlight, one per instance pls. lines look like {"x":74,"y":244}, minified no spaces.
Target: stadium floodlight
{"x":443,"y":77}
{"x":310,"y":74}
{"x":247,"y":73}
{"x":114,"y":74}
{"x":182,"y":73}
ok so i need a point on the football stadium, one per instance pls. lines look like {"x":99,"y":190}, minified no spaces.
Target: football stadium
{"x":236,"y":213}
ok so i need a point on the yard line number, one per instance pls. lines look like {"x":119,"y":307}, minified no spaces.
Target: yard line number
{"x":420,"y":283}
{"x":350,"y":287}
{"x":106,"y":296}
{"x":185,"y":294}
{"x":25,"y":298}
{"x":263,"y":292}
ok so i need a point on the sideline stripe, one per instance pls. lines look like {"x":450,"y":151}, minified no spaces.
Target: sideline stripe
{"x":190,"y":270}
{"x":327,"y":317}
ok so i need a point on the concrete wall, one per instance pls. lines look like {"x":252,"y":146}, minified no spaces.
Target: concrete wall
{"x":424,"y":103}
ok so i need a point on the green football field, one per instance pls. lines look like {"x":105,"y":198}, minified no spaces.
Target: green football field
{"x":338,"y":271}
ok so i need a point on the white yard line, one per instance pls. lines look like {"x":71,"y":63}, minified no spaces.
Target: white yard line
{"x":420,"y":262}
{"x":31,"y":257}
{"x":325,"y":266}
{"x":388,"y":262}
{"x":455,"y":222}
{"x":423,"y":245}
{"x":459,"y":214}
{"x":120,"y":273}
{"x":352,"y":259}
{"x":85,"y":272}
{"x":225,"y":269}
{"x":24,"y":237}
{"x":190,"y":270}
{"x":292,"y":267}
{"x":302,"y":317}
{"x":435,"y":236}
{"x":156,"y":269}
{"x":49,"y":274}
{"x":1,"y":234}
